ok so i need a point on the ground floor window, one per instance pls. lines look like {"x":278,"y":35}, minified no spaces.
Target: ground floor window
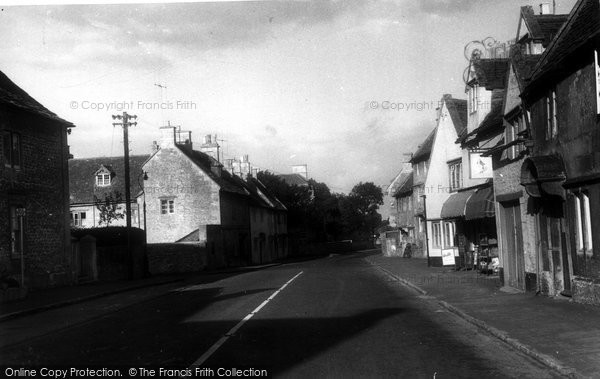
{"x":436,"y":234}
{"x":583,"y":207}
{"x":442,"y":234}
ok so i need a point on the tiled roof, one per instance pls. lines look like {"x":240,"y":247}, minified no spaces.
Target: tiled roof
{"x":491,"y":125}
{"x":262,"y":196}
{"x":406,"y":187}
{"x":424,"y":150}
{"x":399,"y":179}
{"x":542,"y":26}
{"x":12,"y":95}
{"x":491,"y":73}
{"x":294,"y":179}
{"x":580,"y":29}
{"x":523,"y":65}
{"x":82,"y":181}
{"x":458,"y":112}
{"x":226,"y":181}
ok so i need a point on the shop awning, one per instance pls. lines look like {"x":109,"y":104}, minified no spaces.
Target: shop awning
{"x":481,"y":204}
{"x":543,"y":175}
{"x":455,"y":206}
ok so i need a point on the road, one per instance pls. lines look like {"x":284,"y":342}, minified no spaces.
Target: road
{"x":330,"y":317}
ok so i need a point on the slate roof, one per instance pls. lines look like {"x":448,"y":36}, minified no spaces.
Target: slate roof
{"x":491,"y":73}
{"x":491,"y":125}
{"x":523,"y":66}
{"x":424,"y":150}
{"x":458,"y":112}
{"x":542,"y":26}
{"x":14,"y":96}
{"x":294,"y":179}
{"x":262,"y":196}
{"x":406,"y":187}
{"x":580,"y":29}
{"x":227,"y":182}
{"x":82,"y":181}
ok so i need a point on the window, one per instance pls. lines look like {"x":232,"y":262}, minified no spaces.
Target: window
{"x":437,"y":234}
{"x":11,"y":146}
{"x":512,"y":134}
{"x":16,"y":230}
{"x":448,"y":234}
{"x":167,"y":206}
{"x":597,"y":70}
{"x":103,"y":179}
{"x":551,"y":119}
{"x":77,"y":218}
{"x":473,"y":98}
{"x":455,"y":175}
{"x":583,"y":224}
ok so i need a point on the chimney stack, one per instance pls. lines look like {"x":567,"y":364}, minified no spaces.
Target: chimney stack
{"x":545,"y":8}
{"x":210,"y":147}
{"x":167,"y":140}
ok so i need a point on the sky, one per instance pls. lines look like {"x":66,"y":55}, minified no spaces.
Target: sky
{"x":348,"y":88}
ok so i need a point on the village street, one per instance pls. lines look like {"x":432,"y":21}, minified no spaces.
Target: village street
{"x":336,"y":316}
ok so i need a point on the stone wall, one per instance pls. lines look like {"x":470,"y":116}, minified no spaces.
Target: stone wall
{"x":41,"y":187}
{"x":170,"y":258}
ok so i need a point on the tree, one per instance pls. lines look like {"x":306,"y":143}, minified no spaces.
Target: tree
{"x":108,"y":208}
{"x":358,"y":210}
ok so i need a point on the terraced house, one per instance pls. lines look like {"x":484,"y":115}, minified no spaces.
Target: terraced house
{"x":562,"y":175}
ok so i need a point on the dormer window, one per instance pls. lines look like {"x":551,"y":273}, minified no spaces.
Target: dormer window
{"x":103,"y":177}
{"x":103,"y":180}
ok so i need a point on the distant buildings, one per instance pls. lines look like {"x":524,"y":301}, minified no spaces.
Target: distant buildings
{"x":192,"y":198}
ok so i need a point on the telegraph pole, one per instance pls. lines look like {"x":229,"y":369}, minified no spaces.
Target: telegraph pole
{"x":125,"y":123}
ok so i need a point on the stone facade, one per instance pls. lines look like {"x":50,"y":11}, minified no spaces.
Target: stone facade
{"x":35,"y":178}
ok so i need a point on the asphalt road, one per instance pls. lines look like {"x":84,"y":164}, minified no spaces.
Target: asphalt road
{"x":331,"y":317}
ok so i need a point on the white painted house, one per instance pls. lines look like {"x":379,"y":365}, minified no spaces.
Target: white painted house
{"x":443,"y":176}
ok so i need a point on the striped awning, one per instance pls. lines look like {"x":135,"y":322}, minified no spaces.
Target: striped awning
{"x":481,"y":204}
{"x":456,"y":204}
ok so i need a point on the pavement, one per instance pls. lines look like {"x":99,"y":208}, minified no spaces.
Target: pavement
{"x":52,"y":298}
{"x":557,"y":332}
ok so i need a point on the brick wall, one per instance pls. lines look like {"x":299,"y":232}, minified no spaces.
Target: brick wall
{"x":41,"y":186}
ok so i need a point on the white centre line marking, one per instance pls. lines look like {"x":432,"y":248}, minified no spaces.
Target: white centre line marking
{"x":232,"y":331}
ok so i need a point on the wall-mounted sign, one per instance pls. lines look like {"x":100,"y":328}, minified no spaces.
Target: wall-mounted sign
{"x":481,"y":167}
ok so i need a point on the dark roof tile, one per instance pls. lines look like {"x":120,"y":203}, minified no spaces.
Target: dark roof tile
{"x":82,"y":181}
{"x":14,"y":96}
{"x":424,"y":150}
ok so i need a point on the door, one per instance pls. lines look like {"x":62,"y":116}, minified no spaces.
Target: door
{"x":513,"y":239}
{"x":557,"y":251}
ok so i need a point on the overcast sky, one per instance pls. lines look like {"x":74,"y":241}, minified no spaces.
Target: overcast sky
{"x":285,"y":82}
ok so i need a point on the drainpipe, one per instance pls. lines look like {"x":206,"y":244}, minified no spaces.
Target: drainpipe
{"x":426,"y":233}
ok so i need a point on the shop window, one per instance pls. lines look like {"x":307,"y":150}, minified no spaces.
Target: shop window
{"x":448,"y":234}
{"x":437,"y":234}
